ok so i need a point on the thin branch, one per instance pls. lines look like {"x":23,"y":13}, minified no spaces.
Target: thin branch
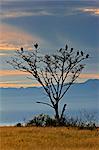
{"x":73,"y":79}
{"x":63,"y":110}
{"x":45,"y":104}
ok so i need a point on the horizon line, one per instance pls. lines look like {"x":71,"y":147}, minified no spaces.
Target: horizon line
{"x":24,"y":87}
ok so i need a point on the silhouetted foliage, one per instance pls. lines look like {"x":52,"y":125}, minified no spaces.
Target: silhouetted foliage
{"x":43,"y":120}
{"x":18,"y":125}
{"x":56,"y":73}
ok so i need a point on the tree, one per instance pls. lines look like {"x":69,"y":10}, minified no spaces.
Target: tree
{"x":55,"y":72}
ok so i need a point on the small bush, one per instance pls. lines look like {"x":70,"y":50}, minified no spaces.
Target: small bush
{"x":45,"y":120}
{"x":18,"y":125}
{"x":40,"y":120}
{"x":87,"y":126}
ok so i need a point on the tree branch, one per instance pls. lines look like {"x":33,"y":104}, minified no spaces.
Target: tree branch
{"x":63,"y":110}
{"x":45,"y":104}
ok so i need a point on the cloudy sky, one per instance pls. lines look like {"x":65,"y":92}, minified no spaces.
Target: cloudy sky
{"x":52,"y":24}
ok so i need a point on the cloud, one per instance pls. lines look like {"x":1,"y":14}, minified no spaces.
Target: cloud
{"x":89,"y":76}
{"x":12,"y":73}
{"x":16,"y":14}
{"x":16,"y":82}
{"x":3,"y":54}
{"x":33,"y":8}
{"x":18,"y":85}
{"x":23,"y":8}
{"x":92,"y":11}
{"x":12,"y":38}
{"x":4,"y":15}
{"x":39,"y":12}
{"x":29,"y":83}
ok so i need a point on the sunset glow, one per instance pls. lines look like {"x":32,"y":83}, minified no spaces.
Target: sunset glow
{"x":17,"y":72}
{"x":12,"y":73}
{"x":11,"y":85}
{"x":12,"y":38}
{"x":25,"y":83}
{"x":94,"y":11}
{"x":91,"y":76}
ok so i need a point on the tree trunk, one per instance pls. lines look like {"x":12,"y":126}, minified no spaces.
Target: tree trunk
{"x":56,"y":112}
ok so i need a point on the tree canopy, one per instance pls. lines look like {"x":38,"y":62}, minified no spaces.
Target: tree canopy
{"x":55,"y":72}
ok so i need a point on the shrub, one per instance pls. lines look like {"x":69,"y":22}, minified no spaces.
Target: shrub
{"x":87,"y":120}
{"x":40,"y":120}
{"x":18,"y":125}
{"x":45,"y":120}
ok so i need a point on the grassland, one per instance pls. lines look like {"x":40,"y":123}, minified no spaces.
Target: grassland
{"x":40,"y":138}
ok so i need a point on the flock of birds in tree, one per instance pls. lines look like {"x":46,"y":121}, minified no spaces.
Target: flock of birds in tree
{"x":66,"y":47}
{"x":35,"y":45}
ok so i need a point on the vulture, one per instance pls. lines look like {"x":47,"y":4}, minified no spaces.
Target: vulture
{"x":66,"y":47}
{"x":77,"y":53}
{"x":87,"y":55}
{"x":21,"y":49}
{"x":36,"y":45}
{"x":71,"y":50}
{"x":81,"y":53}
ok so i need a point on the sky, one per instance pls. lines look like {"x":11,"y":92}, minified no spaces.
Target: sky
{"x":52,"y":24}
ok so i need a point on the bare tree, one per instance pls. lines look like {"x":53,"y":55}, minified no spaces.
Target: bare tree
{"x":56,"y":73}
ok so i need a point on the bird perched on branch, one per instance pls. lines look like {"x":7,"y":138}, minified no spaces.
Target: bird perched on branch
{"x":60,"y":50}
{"x":36,"y":45}
{"x":21,"y":49}
{"x":77,"y":53}
{"x":66,"y":47}
{"x":71,"y":50}
{"x":87,"y":55}
{"x":82,"y":53}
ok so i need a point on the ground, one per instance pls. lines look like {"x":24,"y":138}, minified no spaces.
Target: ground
{"x":48,"y":138}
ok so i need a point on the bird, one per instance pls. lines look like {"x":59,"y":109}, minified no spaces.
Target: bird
{"x":21,"y":49}
{"x":77,"y":53}
{"x":82,"y":53}
{"x":60,"y":50}
{"x":71,"y":49}
{"x":66,"y":47}
{"x":87,"y":55}
{"x":36,"y":45}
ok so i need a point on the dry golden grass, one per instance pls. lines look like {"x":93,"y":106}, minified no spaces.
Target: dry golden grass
{"x":36,"y":138}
